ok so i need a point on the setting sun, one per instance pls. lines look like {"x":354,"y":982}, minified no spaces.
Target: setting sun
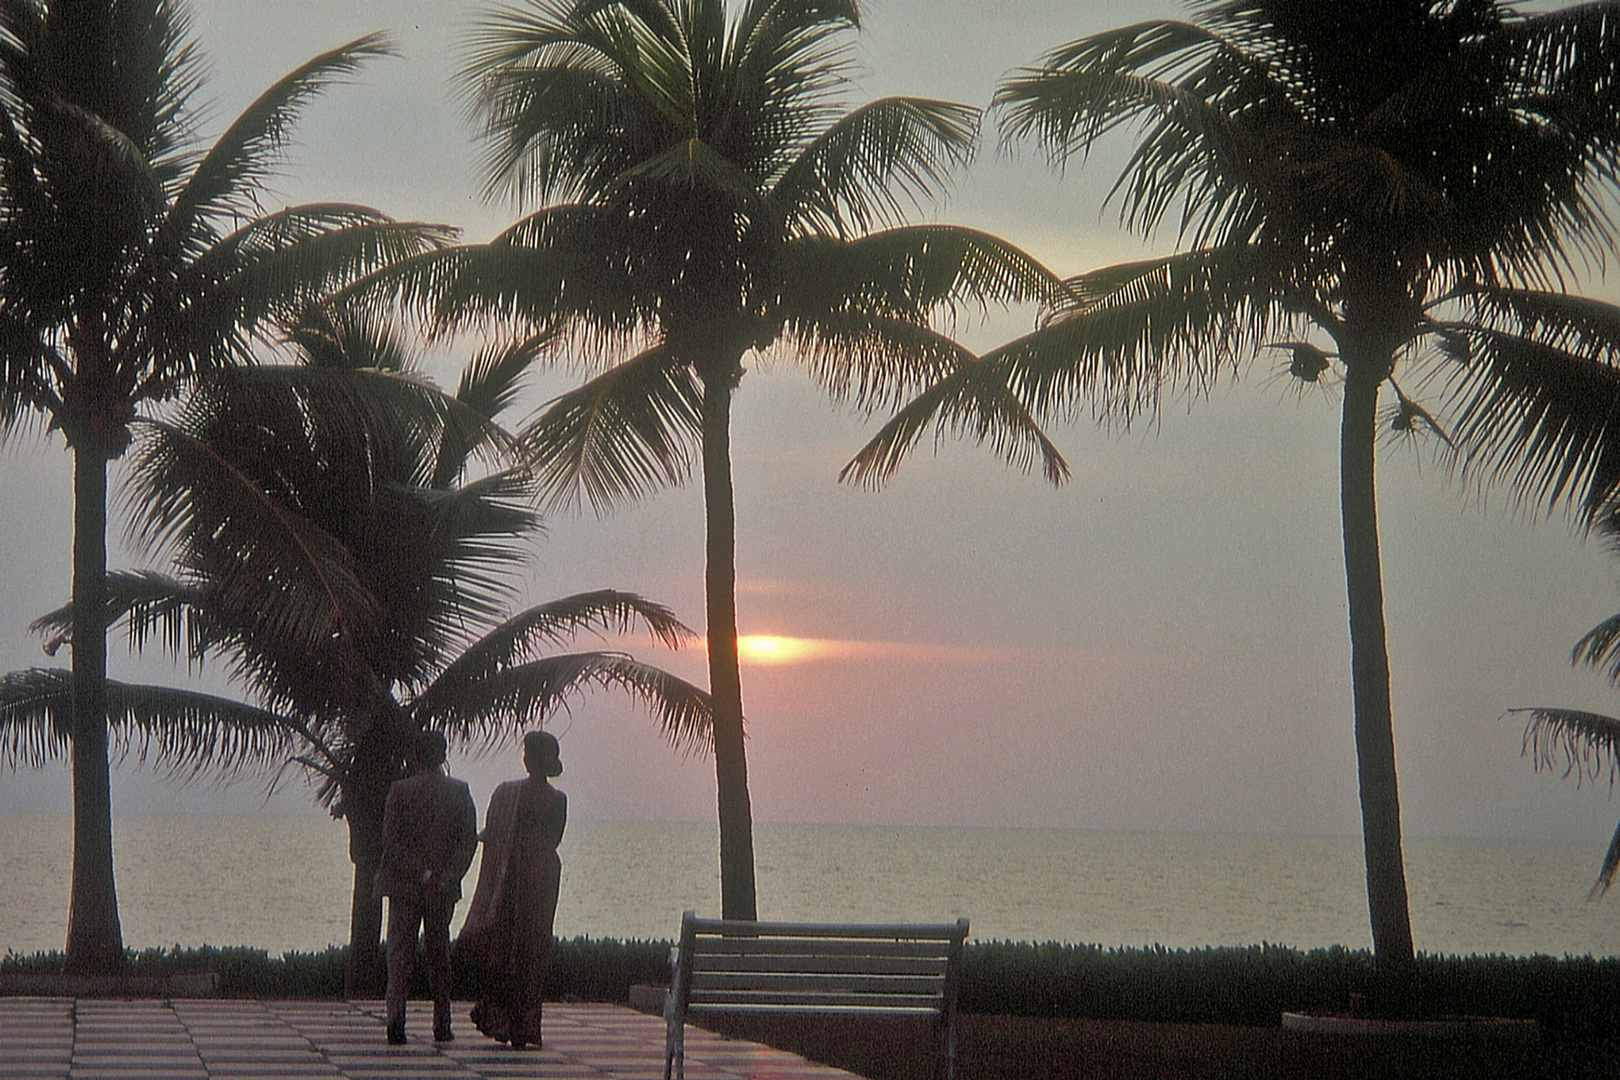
{"x":770,"y":649}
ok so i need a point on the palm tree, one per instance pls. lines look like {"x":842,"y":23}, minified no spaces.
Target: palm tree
{"x":132,"y":258}
{"x":334,"y":553}
{"x":1365,"y":187}
{"x":703,"y":194}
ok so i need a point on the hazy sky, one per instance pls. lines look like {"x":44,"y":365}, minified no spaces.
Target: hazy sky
{"x":1160,"y":644}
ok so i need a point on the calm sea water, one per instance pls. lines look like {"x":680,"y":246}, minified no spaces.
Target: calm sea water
{"x":282,"y":883}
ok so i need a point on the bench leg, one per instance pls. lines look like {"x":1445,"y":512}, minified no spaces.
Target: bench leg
{"x":945,"y":1059}
{"x":674,"y":1042}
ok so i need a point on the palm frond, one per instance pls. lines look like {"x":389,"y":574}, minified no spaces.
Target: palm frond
{"x":976,"y":401}
{"x":872,"y":361}
{"x":365,"y":426}
{"x":791,"y":50}
{"x":556,"y":622}
{"x":861,"y":312}
{"x":70,"y":49}
{"x":489,"y":384}
{"x":1124,"y":335}
{"x":569,"y":96}
{"x":1599,"y":647}
{"x":1082,"y":90}
{"x":272,"y":561}
{"x":1134,"y":330}
{"x":295,"y":255}
{"x":859,"y":173}
{"x":563,"y":265}
{"x":1582,"y":745}
{"x":244,"y":155}
{"x":36,"y":720}
{"x":148,"y":603}
{"x":503,"y":704}
{"x":1174,"y":79}
{"x":1547,"y":188}
{"x":1585,"y":746}
{"x":1560,"y":319}
{"x":619,"y":435}
{"x":911,"y":271}
{"x":277,"y":266}
{"x":1539,"y":414}
{"x":491,"y":381}
{"x":282,"y":262}
{"x":692,"y":164}
{"x":439,"y":561}
{"x":1131,"y":332}
{"x":348,"y":341}
{"x":1611,"y":863}
{"x":182,"y":732}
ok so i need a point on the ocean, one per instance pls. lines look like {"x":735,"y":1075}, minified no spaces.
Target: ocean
{"x":283,"y":883}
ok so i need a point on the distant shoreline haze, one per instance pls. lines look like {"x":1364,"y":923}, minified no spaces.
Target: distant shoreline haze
{"x":281,"y":882}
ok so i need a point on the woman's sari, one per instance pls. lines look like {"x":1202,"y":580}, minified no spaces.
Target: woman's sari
{"x":509,"y":922}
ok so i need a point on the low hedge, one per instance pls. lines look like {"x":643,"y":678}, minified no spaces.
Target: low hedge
{"x":1571,"y":997}
{"x":1254,"y":986}
{"x":583,"y":969}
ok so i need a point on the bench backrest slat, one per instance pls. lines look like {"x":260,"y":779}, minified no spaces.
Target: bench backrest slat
{"x":899,"y":931}
{"x":876,"y":965}
{"x":789,"y":947}
{"x":814,"y":982}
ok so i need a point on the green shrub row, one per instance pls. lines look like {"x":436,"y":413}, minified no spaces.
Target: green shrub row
{"x":1573,"y":997}
{"x":583,"y":969}
{"x":1254,"y":986}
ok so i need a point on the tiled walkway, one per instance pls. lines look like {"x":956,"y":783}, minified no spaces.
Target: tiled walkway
{"x":194,"y":1039}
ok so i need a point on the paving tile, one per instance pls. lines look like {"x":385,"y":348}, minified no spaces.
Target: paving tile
{"x":14,"y":1066}
{"x":550,"y":1072}
{"x":233,"y":1069}
{"x":129,"y":1072}
{"x":213,"y":1039}
{"x":240,"y":1061}
{"x":292,"y":1051}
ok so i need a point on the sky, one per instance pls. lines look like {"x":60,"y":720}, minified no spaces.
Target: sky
{"x":1158,"y":645}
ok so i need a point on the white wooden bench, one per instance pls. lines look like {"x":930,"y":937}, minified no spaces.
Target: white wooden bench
{"x":893,"y":969}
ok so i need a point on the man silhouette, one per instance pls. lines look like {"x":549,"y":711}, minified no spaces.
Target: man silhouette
{"x":430,"y":831}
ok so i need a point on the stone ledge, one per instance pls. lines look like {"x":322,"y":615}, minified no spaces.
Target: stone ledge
{"x":55,"y":984}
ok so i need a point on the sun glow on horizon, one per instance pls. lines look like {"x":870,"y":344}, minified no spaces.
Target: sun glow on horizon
{"x":772,"y":650}
{"x":775,"y":649}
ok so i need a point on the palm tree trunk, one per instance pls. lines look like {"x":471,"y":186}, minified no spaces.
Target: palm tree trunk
{"x":1369,"y":664}
{"x":363,"y":805}
{"x":95,"y":940}
{"x":363,"y":967}
{"x":737,"y":900}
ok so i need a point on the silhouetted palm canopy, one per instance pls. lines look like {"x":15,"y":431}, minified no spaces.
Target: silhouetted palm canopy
{"x":336,"y":557}
{"x":704,"y":191}
{"x":131,"y":258}
{"x":1368,"y":187}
